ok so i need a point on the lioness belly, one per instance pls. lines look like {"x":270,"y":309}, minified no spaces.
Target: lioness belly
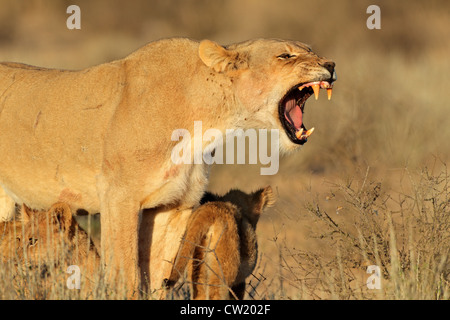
{"x":39,"y":193}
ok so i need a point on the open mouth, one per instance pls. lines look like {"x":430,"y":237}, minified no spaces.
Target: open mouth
{"x":292,"y":108}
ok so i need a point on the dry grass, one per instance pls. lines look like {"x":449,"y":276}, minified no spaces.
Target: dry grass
{"x":403,"y":229}
{"x":406,"y":234}
{"x":319,"y":243}
{"x":389,"y":113}
{"x":37,"y":268}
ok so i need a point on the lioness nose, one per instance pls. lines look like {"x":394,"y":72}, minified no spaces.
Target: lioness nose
{"x":329,"y":65}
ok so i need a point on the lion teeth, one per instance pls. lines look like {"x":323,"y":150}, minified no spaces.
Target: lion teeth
{"x":329,"y":92}
{"x":316,"y":88}
{"x":324,"y":85}
{"x":302,"y":136}
{"x":309,"y":132}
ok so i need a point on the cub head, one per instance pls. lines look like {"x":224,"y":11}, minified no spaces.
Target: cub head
{"x":251,"y":206}
{"x":272,"y":80}
{"x":45,"y":233}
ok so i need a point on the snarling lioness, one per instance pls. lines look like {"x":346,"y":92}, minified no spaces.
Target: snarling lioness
{"x":101,"y":138}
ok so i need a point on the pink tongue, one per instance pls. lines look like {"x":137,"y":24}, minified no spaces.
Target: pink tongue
{"x":295,"y":117}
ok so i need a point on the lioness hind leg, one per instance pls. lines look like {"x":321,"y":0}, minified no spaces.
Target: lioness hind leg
{"x":7,"y":206}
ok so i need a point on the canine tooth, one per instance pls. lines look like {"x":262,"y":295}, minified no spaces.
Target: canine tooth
{"x":309,"y":132}
{"x":299,"y":133}
{"x":329,"y":92}
{"x":316,"y":88}
{"x":300,"y":88}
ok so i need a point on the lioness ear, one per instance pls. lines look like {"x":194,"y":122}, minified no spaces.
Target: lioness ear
{"x":217,"y":57}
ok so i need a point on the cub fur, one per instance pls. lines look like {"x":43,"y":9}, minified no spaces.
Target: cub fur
{"x":55,"y":237}
{"x":10,"y":235}
{"x":48,"y":241}
{"x":220,"y":244}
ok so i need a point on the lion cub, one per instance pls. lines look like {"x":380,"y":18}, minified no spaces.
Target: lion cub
{"x":54,"y":237}
{"x":220,"y":244}
{"x":48,"y":242}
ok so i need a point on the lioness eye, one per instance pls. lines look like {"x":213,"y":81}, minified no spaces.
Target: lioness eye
{"x":286,"y":56}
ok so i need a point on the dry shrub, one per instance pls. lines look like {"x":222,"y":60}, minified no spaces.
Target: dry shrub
{"x":405,"y":233}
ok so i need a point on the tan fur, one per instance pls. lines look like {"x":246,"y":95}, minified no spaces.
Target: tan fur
{"x":10,"y":235}
{"x":49,"y":242}
{"x":220,"y":244}
{"x":159,"y":239}
{"x":7,"y":207}
{"x":100,"y":138}
{"x":45,"y":234}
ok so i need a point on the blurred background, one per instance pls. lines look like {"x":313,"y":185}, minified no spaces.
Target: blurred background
{"x":389,"y":110}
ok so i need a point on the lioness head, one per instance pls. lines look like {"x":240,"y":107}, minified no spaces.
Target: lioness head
{"x":273,"y":79}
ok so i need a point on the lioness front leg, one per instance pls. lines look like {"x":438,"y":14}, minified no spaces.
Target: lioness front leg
{"x":119,"y":217}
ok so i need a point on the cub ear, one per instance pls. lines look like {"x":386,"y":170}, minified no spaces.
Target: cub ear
{"x":62,"y":216}
{"x":208,"y":197}
{"x":263,"y":198}
{"x":25,"y":213}
{"x":217,"y":57}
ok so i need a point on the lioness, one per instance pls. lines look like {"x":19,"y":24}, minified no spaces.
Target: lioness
{"x":220,"y":244}
{"x":101,"y":138}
